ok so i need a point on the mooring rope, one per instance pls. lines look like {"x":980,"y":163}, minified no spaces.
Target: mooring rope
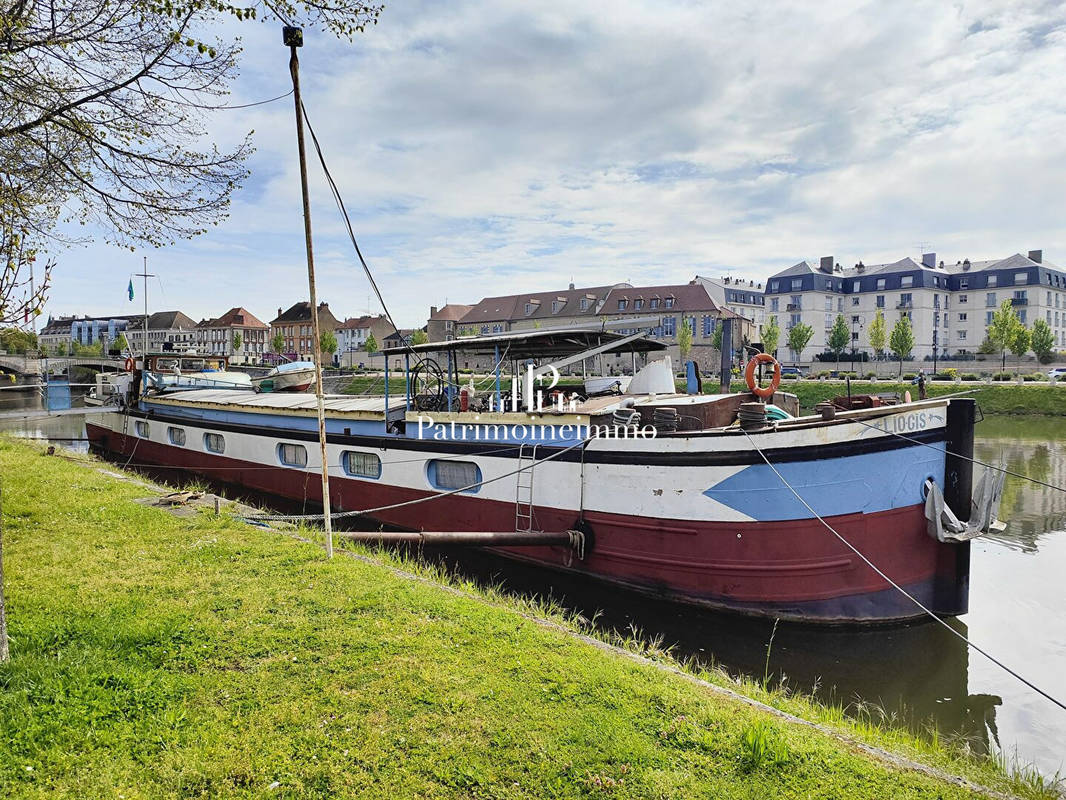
{"x":899,"y":588}
{"x":416,"y":501}
{"x":965,"y":458}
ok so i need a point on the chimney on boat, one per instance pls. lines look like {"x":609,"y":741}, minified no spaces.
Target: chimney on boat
{"x":826,"y":264}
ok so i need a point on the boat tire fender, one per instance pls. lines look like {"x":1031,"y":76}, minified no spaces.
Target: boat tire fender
{"x":749,"y":375}
{"x":130,"y":364}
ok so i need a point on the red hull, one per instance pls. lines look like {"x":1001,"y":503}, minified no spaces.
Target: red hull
{"x":793,"y":569}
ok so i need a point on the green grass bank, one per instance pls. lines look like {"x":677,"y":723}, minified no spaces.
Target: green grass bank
{"x":161,"y":656}
{"x":993,"y":398}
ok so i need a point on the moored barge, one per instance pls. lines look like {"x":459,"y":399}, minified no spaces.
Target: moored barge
{"x":672,"y":495}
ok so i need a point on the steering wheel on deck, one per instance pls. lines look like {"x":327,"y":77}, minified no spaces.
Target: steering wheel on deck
{"x":427,"y":385}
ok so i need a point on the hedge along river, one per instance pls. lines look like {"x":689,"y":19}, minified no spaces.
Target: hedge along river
{"x":918,"y":674}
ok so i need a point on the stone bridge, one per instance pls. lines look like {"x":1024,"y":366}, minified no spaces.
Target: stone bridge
{"x":31,"y":365}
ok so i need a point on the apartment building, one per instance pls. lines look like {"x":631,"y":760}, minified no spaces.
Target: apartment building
{"x":294,"y":325}
{"x":352,"y":335}
{"x":949,"y":305}
{"x":216,"y":336}
{"x":745,"y":298}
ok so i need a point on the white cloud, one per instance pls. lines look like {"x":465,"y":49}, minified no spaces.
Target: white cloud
{"x":492,"y":147}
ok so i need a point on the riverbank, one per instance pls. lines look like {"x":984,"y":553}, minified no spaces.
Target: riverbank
{"x":162,"y":655}
{"x":993,"y":398}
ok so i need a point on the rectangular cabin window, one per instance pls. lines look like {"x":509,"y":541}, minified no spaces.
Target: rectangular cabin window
{"x":214,"y":443}
{"x":444,"y":474}
{"x":361,"y":465}
{"x":176,"y":436}
{"x":142,"y":429}
{"x":292,"y":455}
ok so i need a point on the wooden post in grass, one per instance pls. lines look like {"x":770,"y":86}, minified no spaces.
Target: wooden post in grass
{"x":293,"y":38}
{"x":4,"y":652}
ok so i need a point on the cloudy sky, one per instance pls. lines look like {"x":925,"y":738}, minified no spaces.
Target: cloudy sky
{"x":495,"y":147}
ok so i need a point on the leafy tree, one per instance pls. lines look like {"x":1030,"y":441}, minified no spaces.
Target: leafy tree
{"x":105,"y":105}
{"x":839,"y":337}
{"x":277,"y":342}
{"x":122,"y":343}
{"x":684,"y":340}
{"x":1003,"y":329}
{"x":16,"y":340}
{"x":419,"y":337}
{"x":1019,"y":343}
{"x":371,"y":344}
{"x":902,"y":339}
{"x":877,"y":333}
{"x":799,"y":336}
{"x":61,"y":347}
{"x":23,"y":289}
{"x":1043,"y":341}
{"x":771,"y":335}
{"x":238,"y":340}
{"x":986,"y":347}
{"x":327,"y":342}
{"x":716,"y":340}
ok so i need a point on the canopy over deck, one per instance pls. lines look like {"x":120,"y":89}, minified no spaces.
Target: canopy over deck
{"x":536,"y":344}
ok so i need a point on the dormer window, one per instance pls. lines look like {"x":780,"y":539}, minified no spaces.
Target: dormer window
{"x":623,"y":304}
{"x":557,"y":305}
{"x":532,"y":306}
{"x":653,"y":303}
{"x":584,"y":304}
{"x":669,"y":302}
{"x":638,"y":304}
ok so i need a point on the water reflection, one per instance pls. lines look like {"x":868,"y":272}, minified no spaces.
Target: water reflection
{"x":920,"y":674}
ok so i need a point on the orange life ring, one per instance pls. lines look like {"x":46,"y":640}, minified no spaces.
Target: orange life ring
{"x":749,"y":375}
{"x":130,"y":365}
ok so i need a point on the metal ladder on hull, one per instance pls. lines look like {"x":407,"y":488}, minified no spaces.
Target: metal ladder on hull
{"x":523,"y":505}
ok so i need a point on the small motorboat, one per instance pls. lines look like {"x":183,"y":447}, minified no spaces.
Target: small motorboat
{"x":296,"y":376}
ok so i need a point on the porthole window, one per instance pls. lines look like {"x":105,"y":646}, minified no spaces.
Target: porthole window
{"x":445,"y":474}
{"x":214,"y":443}
{"x":361,"y":465}
{"x":176,"y":436}
{"x":292,"y":455}
{"x":142,"y":429}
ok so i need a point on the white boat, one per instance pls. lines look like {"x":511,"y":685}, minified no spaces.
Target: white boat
{"x":296,"y":376}
{"x":169,"y":372}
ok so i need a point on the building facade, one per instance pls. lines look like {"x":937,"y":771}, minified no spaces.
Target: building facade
{"x":216,"y":336}
{"x":166,"y":330}
{"x":352,"y":336}
{"x":294,"y":327}
{"x":949,"y":305}
{"x":441,"y":325}
{"x":746,"y":298}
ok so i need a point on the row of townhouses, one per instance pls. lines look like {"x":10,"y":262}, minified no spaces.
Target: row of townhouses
{"x":949,"y":305}
{"x":674,"y":305}
{"x":238,"y":334}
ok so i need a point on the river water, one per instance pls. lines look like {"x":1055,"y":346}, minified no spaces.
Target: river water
{"x":920,"y":674}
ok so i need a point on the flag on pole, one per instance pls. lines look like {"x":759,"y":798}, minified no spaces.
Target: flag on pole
{"x":131,"y":289}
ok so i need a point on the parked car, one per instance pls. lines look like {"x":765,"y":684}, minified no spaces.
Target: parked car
{"x":1058,"y":373}
{"x":792,"y":372}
